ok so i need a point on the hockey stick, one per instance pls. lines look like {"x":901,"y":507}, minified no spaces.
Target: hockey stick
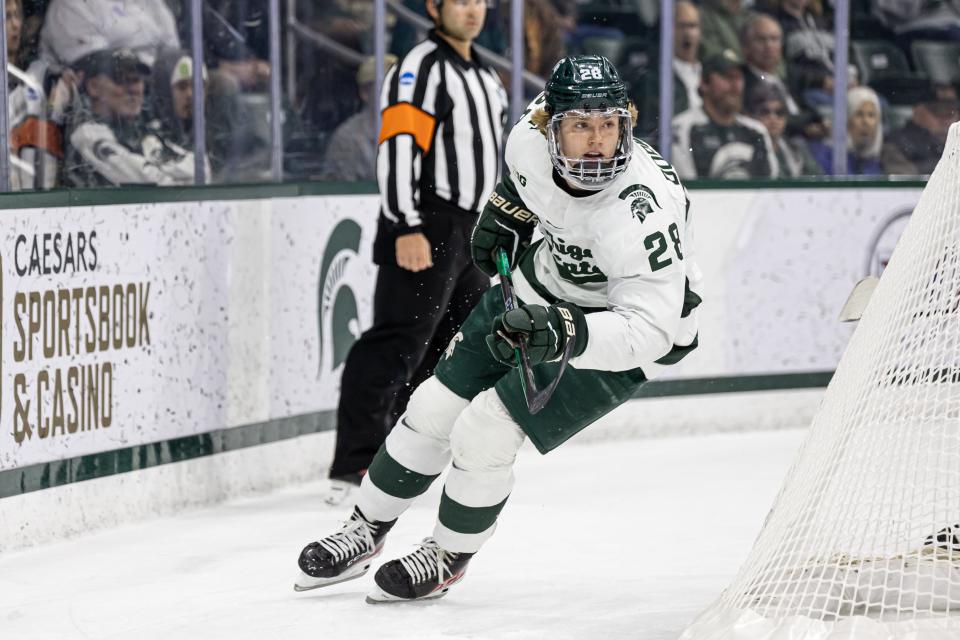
{"x":536,"y":399}
{"x":856,"y":304}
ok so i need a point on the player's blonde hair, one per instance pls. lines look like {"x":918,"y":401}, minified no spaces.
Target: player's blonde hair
{"x":540,"y":118}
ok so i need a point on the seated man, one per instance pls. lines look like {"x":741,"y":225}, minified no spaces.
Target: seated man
{"x":762,"y":41}
{"x":686,"y":74}
{"x":110,"y":144}
{"x":352,"y":152}
{"x":716,"y":140}
{"x":35,"y":143}
{"x":915,"y":148}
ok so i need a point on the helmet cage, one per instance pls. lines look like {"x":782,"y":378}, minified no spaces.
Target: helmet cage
{"x":588,"y":173}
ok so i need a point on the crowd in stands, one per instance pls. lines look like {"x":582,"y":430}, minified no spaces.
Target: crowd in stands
{"x":754,"y":83}
{"x":102,"y":92}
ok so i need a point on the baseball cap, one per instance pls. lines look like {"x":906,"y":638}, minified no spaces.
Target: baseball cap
{"x":183,"y":70}
{"x":938,"y":94}
{"x":112,"y":62}
{"x":722,"y":62}
{"x":365,"y":73}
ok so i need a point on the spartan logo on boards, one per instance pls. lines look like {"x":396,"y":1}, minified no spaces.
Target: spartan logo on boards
{"x":338,"y":324}
{"x":884,"y":240}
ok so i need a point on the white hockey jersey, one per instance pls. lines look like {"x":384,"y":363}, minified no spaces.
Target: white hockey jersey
{"x":626,"y":249}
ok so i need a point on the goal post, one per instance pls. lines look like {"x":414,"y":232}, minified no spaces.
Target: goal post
{"x":863,"y":540}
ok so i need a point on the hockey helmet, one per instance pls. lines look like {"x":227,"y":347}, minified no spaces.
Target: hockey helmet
{"x":588,"y":86}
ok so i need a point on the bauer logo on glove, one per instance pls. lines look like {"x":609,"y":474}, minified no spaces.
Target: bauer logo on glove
{"x":503,"y":224}
{"x":544,"y":330}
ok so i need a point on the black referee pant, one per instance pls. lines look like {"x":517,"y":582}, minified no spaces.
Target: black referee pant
{"x":415,"y":315}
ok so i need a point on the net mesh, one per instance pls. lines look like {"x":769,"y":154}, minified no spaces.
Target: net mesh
{"x":863,"y":540}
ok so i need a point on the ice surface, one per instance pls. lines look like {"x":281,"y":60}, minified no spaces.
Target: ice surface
{"x":626,"y":539}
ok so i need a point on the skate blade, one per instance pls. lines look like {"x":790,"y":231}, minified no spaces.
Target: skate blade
{"x":379,"y":596}
{"x":308,"y":583}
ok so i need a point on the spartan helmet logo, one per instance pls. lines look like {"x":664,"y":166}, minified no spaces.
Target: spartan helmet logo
{"x":338,"y":323}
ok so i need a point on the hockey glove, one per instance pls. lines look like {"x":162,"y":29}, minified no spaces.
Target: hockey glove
{"x":496,"y":229}
{"x":545,"y":331}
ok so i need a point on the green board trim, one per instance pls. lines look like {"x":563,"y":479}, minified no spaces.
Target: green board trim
{"x":850,"y":182}
{"x":99,"y":465}
{"x":255,"y":191}
{"x":47,"y":475}
{"x":733,"y":384}
{"x":152,"y":194}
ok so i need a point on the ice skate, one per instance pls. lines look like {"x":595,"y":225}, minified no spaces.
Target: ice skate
{"x":342,"y":556}
{"x":425,"y":574}
{"x":343,"y":488}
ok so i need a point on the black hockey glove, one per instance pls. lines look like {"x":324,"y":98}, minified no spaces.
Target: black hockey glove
{"x":496,"y":229}
{"x":545,"y":330}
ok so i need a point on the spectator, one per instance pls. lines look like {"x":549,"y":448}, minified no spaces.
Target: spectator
{"x":767,"y":103}
{"x":919,"y":19}
{"x":73,"y":29}
{"x":721,"y":22}
{"x":762,"y":41}
{"x":352,"y":152}
{"x":716,"y":140}
{"x":544,"y":33}
{"x":918,"y":145}
{"x":172,"y":88}
{"x":14,"y":27}
{"x":686,"y":73}
{"x":33,"y":13}
{"x":808,"y":50}
{"x":235,"y":40}
{"x":864,"y":136}
{"x":236,"y":35}
{"x":110,"y":145}
{"x":236,"y":45}
{"x":686,"y":48}
{"x":39,"y":101}
{"x":320,"y":109}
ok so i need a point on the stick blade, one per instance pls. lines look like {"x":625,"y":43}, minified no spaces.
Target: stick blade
{"x":858,"y":299}
{"x":539,"y":399}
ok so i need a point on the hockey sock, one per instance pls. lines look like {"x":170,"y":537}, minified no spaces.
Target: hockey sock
{"x":469,"y":507}
{"x":403,"y":469}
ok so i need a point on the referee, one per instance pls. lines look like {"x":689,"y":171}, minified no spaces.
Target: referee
{"x":443,"y":114}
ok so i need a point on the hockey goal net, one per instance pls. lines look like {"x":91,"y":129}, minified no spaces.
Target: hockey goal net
{"x":863,"y":540}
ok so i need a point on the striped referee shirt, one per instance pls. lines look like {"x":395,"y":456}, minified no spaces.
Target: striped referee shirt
{"x":442,"y":123}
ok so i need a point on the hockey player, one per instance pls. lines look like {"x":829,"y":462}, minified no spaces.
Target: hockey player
{"x":614,"y":273}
